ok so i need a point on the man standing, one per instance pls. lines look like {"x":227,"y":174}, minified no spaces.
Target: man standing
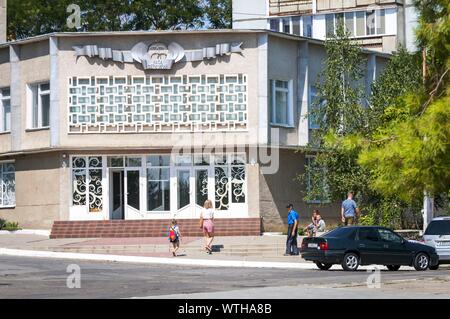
{"x":349,"y":210}
{"x":291,"y":243}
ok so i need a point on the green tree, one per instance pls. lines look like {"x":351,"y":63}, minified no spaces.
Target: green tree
{"x":27,"y":18}
{"x":218,"y":13}
{"x":337,"y":106}
{"x":337,"y":111}
{"x":409,"y":155}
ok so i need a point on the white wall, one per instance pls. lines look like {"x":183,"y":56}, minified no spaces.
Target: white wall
{"x":410,"y":25}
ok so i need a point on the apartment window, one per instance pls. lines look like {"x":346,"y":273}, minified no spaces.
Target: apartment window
{"x":39,"y":110}
{"x":316,"y":182}
{"x":286,"y":25}
{"x":281,"y":101}
{"x":5,"y":110}
{"x":350,"y":23}
{"x":313,"y":103}
{"x":370,"y":22}
{"x":275,"y":25}
{"x":380,"y":21}
{"x":296,"y":25}
{"x":307,"y":26}
{"x":7,"y":184}
{"x":329,"y":25}
{"x":358,"y":23}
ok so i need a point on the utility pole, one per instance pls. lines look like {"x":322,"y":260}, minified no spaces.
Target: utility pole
{"x":428,"y":201}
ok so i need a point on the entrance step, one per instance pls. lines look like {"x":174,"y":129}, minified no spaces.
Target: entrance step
{"x":152,"y":228}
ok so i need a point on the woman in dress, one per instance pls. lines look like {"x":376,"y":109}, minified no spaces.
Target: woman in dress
{"x":207,"y":224}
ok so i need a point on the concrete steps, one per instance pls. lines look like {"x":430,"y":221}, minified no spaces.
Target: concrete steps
{"x":152,"y":228}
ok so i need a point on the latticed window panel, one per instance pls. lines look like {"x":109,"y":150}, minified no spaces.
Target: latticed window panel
{"x":158,"y":104}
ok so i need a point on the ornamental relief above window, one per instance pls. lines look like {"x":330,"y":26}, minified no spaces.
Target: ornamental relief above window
{"x":158,"y":104}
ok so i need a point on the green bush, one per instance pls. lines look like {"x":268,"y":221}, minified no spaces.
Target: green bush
{"x":2,"y":223}
{"x":9,"y":226}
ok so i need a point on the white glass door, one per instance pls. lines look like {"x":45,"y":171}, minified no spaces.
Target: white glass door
{"x":132,"y":187}
{"x":117,"y":192}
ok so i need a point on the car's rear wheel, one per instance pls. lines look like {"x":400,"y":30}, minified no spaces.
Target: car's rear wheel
{"x":323,"y":266}
{"x":436,"y":267}
{"x":393,"y":267}
{"x":350,"y":262}
{"x":421,"y":262}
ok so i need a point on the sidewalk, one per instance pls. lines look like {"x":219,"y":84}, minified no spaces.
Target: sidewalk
{"x":252,"y":248}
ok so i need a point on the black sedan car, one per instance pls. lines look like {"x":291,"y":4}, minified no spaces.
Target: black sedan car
{"x":360,"y":245}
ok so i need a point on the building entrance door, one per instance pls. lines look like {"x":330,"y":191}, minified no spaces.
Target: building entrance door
{"x":117,"y":195}
{"x":132,"y":186}
{"x":192,"y":189}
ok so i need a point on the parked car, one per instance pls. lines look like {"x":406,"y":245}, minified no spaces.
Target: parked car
{"x":437,"y":235}
{"x":363,"y":245}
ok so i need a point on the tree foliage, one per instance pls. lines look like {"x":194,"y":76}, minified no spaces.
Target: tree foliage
{"x":340,"y":88}
{"x":400,"y":149}
{"x":28,"y":18}
{"x":337,"y":111}
{"x":409,"y":154}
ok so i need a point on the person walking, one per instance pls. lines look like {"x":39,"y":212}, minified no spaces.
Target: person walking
{"x":349,"y":210}
{"x":207,"y":224}
{"x":174,"y":237}
{"x":291,"y":242}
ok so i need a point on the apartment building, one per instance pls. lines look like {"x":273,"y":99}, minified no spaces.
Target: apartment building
{"x":381,"y":25}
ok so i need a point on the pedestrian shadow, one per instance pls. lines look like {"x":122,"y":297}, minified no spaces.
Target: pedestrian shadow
{"x":216,"y":248}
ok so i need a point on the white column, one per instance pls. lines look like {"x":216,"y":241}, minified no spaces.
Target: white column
{"x":54,"y":93}
{"x":303,"y":92}
{"x":262,"y":107}
{"x":16,"y":103}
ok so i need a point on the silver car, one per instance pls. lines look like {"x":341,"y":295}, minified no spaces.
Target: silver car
{"x":437,"y":235}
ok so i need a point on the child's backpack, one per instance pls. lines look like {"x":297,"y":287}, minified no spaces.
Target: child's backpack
{"x":173,"y":236}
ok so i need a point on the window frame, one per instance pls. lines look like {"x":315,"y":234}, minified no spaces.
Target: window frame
{"x":148,"y":167}
{"x":377,"y":16}
{"x":290,"y":102}
{"x":2,"y":110}
{"x":1,"y":188}
{"x":35,"y":90}
{"x":308,"y":159}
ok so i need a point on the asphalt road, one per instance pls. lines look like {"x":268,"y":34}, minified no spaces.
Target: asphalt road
{"x":23,"y":277}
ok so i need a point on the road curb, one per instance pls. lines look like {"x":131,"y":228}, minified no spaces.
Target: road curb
{"x":180,"y":261}
{"x":40,"y":232}
{"x":154,"y":260}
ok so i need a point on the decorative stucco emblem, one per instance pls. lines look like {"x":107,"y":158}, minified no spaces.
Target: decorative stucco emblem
{"x":157,"y":55}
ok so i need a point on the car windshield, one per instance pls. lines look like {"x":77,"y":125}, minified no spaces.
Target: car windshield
{"x":438,"y":227}
{"x":340,"y":232}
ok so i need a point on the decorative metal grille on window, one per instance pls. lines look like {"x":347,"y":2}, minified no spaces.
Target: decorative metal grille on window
{"x":7,"y":185}
{"x":87,"y":182}
{"x":157,"y":104}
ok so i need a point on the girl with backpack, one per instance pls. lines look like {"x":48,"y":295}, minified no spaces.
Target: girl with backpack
{"x":174,"y":237}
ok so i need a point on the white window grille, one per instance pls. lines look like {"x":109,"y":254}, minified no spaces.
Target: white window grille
{"x":158,"y":104}
{"x":7,"y":184}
